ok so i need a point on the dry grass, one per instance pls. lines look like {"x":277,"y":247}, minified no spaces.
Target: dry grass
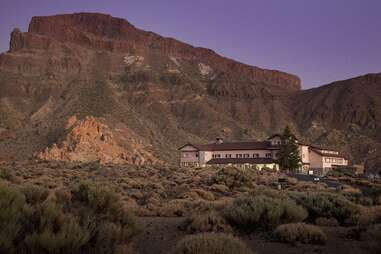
{"x":300,"y":232}
{"x":89,"y":220}
{"x":327,"y":222}
{"x":211,"y":244}
{"x":263,"y":212}
{"x":209,"y":221}
{"x":328,"y":205}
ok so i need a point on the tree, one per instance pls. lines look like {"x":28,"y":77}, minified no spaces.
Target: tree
{"x":288,"y":157}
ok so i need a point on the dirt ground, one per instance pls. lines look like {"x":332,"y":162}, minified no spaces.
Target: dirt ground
{"x":160,"y":234}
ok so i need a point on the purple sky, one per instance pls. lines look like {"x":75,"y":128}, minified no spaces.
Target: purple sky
{"x":319,"y":40}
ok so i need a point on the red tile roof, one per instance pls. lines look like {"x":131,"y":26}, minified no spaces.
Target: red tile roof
{"x":255,"y":145}
{"x":327,"y":154}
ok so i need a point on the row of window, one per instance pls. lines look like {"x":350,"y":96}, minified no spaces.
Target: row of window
{"x":334,"y":160}
{"x":190,"y":155}
{"x":240,"y":155}
{"x":189,"y":164}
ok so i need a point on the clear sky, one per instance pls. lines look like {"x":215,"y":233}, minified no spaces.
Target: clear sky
{"x":319,"y":40}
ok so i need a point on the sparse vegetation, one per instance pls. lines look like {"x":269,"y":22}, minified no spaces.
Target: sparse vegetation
{"x":254,"y":212}
{"x":57,"y":193}
{"x":328,"y":205}
{"x":328,"y":222}
{"x":6,"y":174}
{"x":300,"y":232}
{"x":206,"y":222}
{"x":234,"y":177}
{"x":211,"y":243}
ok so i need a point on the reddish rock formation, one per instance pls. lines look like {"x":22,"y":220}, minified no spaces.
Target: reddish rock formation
{"x":91,"y":140}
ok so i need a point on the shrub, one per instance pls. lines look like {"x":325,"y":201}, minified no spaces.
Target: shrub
{"x":253,"y":212}
{"x":211,"y":243}
{"x":234,"y":177}
{"x":328,"y":205}
{"x":11,"y":205}
{"x":35,"y":194}
{"x":207,"y":222}
{"x":56,"y":232}
{"x":369,"y":215}
{"x":300,"y":232}
{"x":328,"y":222}
{"x":8,"y":175}
{"x":32,"y":223}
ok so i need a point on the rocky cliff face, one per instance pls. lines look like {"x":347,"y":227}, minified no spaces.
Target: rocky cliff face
{"x":163,"y":91}
{"x":103,"y":32}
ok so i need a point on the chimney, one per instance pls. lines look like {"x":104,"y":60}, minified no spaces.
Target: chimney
{"x":219,"y":140}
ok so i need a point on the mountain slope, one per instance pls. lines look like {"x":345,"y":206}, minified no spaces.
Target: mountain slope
{"x":165,"y":91}
{"x":346,"y":115}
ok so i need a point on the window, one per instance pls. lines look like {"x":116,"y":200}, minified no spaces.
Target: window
{"x":246,"y":155}
{"x":196,"y":154}
{"x":238,"y":155}
{"x":228,"y":155}
{"x":256,"y":155}
{"x":268,"y":155}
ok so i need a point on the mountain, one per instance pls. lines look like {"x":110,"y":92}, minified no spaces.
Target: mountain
{"x":161,"y":93}
{"x":345,"y":115}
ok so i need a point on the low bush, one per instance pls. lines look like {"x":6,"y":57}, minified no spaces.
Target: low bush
{"x":369,"y":215}
{"x":211,"y":244}
{"x":92,"y":221}
{"x":253,"y":212}
{"x":34,"y":194}
{"x":234,"y":177}
{"x":7,"y":174}
{"x":300,"y":232}
{"x":327,"y":222}
{"x":206,"y":222}
{"x":328,"y":205}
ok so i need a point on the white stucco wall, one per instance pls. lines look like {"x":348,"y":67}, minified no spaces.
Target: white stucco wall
{"x":205,"y":156}
{"x":189,"y":154}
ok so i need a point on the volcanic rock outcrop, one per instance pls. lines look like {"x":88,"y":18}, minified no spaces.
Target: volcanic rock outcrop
{"x":91,"y":140}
